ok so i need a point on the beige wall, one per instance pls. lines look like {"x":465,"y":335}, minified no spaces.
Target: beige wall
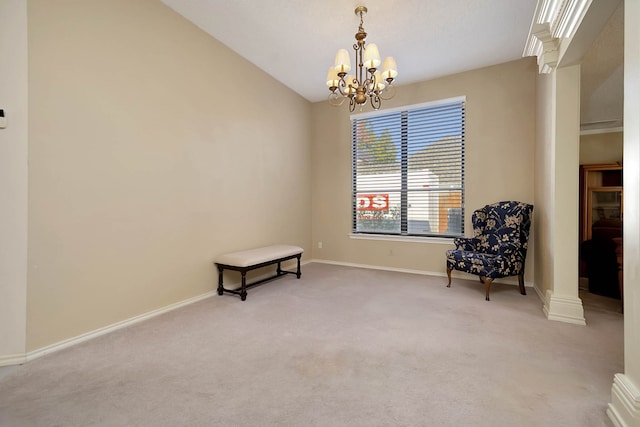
{"x":601,"y":148}
{"x":500,"y":140}
{"x":13,"y":181}
{"x":152,"y":149}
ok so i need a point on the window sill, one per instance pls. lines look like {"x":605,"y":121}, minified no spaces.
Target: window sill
{"x":412,"y":239}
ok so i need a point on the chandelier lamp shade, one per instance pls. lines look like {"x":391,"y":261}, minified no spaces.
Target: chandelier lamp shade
{"x":368,"y":82}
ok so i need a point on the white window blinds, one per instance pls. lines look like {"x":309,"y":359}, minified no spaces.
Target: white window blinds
{"x":408,"y":170}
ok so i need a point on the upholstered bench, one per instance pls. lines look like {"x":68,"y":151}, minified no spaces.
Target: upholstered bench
{"x":251,"y":259}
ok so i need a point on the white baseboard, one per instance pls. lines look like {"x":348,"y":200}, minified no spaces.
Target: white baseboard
{"x":17,"y":359}
{"x":13,"y":359}
{"x":563,"y":309}
{"x":377,"y":267}
{"x":113,"y":327}
{"x":540,"y":295}
{"x":454,"y":274}
{"x":624,"y":409}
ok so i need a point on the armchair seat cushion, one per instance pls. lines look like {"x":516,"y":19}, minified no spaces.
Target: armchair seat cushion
{"x":482,"y":264}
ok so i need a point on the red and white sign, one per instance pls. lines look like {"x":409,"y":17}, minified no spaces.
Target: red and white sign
{"x":373,"y":202}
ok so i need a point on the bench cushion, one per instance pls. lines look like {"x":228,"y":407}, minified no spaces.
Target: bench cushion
{"x":258,"y":256}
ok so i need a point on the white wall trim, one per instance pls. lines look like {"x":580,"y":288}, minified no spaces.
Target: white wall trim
{"x":454,"y":274}
{"x":17,"y":359}
{"x":411,"y":239}
{"x":554,"y":23}
{"x":563,"y":309}
{"x":383,"y":268}
{"x":540,"y":296}
{"x":113,"y":327}
{"x":13,"y":359}
{"x":624,"y":408}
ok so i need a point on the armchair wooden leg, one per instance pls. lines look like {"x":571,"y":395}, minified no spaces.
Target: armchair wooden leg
{"x":487,"y":284}
{"x":521,"y":284}
{"x":449,"y":276}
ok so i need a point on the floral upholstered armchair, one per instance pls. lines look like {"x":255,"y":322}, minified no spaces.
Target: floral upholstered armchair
{"x":499,"y":247}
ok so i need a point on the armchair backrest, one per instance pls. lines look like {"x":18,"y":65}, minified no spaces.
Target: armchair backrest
{"x":503,"y":222}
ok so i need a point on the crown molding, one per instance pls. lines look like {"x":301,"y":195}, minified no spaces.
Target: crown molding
{"x":554,"y":22}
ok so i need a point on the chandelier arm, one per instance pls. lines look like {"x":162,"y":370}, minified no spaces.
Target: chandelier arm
{"x":352,"y":104}
{"x":376,"y":103}
{"x":371,"y":84}
{"x":343,"y":87}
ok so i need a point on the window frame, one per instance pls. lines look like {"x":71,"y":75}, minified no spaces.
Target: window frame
{"x":404,"y":234}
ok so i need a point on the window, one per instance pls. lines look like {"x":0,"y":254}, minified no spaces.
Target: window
{"x":408,"y":170}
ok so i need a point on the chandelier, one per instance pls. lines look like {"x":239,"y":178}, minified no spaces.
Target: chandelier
{"x":368,"y":83}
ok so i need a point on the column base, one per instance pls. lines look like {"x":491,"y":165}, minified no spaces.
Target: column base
{"x":563,"y":309}
{"x":624,"y":409}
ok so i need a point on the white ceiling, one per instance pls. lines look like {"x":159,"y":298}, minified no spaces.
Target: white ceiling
{"x":295,"y":41}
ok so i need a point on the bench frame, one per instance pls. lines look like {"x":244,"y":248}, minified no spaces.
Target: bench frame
{"x":243,"y":270}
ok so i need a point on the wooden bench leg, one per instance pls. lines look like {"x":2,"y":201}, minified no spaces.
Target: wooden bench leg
{"x":220,"y":287}
{"x":243,"y":290}
{"x":298,"y":273}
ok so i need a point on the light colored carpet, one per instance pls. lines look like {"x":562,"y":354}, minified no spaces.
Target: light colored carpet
{"x":340,"y":347}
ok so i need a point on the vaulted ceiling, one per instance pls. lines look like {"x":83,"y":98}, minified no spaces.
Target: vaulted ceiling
{"x":295,"y":41}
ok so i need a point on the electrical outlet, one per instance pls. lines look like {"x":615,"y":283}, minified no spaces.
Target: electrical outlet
{"x":320,"y":245}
